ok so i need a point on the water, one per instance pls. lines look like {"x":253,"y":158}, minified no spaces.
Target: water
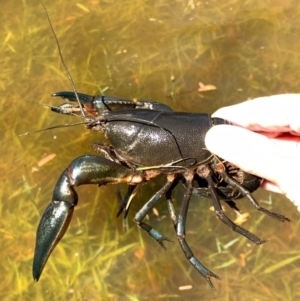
{"x":139,"y":49}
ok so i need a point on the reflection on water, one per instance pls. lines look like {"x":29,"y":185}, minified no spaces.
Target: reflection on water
{"x":139,"y":49}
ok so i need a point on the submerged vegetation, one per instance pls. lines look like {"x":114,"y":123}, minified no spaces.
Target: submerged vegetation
{"x":193,"y":56}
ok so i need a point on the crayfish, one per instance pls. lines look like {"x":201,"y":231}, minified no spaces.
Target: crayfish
{"x":146,"y":139}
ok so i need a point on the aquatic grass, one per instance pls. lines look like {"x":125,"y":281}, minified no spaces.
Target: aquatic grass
{"x":138,"y":49}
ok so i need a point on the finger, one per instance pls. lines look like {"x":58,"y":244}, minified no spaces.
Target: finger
{"x":267,"y":185}
{"x":274,"y":160}
{"x":277,"y":113}
{"x":274,"y":188}
{"x":248,"y":150}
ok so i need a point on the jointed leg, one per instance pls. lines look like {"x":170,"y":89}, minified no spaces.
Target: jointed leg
{"x":247,"y":195}
{"x":181,"y":235}
{"x":126,"y":202}
{"x":146,"y":209}
{"x":56,"y":219}
{"x":226,"y":220}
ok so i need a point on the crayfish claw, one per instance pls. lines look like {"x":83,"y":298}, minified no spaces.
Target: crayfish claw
{"x":52,"y":228}
{"x":56,"y":219}
{"x":210,"y":284}
{"x":155,"y":234}
{"x":71,"y":96}
{"x":208,"y":279}
{"x":163,"y":238}
{"x":263,"y":241}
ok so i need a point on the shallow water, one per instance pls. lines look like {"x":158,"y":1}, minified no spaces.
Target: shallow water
{"x":144,"y":50}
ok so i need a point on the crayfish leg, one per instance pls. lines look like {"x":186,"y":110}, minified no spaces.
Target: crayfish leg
{"x":180,"y":231}
{"x":146,"y":209}
{"x":87,"y":169}
{"x":246,"y":193}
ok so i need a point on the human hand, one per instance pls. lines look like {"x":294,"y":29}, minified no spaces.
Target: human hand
{"x":263,"y":141}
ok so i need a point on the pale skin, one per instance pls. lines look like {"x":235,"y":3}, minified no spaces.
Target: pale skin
{"x":264,"y":141}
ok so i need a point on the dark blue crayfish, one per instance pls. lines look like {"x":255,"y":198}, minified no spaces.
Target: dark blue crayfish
{"x":146,"y":139}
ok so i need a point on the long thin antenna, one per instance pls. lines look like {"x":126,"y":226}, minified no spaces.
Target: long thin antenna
{"x":63,"y":62}
{"x":56,"y":109}
{"x":53,"y":127}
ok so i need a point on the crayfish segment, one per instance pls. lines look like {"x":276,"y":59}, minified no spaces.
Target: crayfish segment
{"x":97,"y":104}
{"x":54,"y":223}
{"x":56,"y":219}
{"x":52,"y":228}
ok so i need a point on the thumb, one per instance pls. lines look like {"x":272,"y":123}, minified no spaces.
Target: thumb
{"x":248,"y":150}
{"x":275,"y":160}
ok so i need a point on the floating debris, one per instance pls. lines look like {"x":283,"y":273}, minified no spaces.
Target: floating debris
{"x":46,"y":159}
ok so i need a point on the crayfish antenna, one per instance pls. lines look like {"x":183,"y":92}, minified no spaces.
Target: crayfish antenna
{"x":63,"y":62}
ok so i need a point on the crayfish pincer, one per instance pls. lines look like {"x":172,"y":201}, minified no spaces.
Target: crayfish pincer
{"x":146,"y":139}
